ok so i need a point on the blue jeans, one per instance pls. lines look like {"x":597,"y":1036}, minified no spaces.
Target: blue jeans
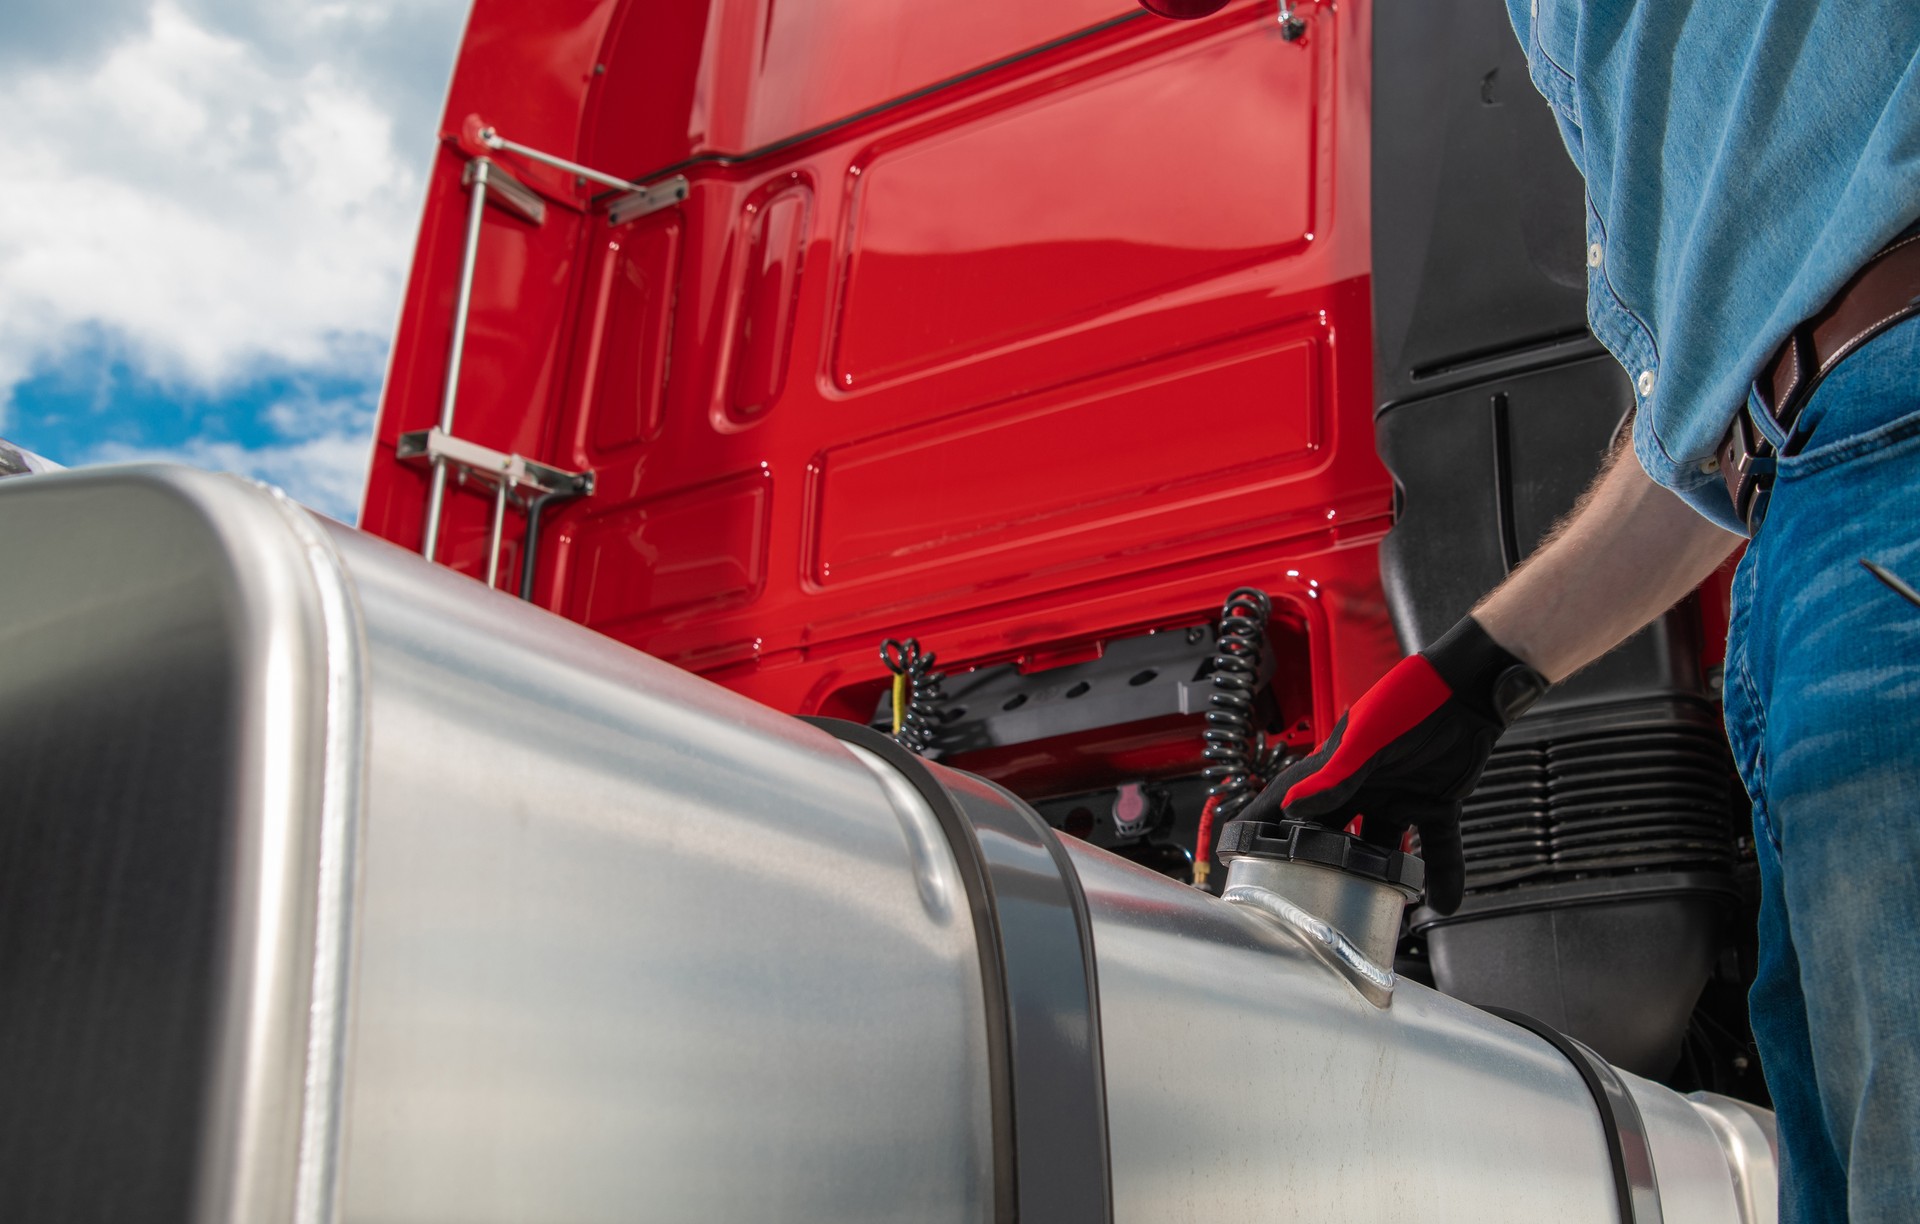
{"x":1823,"y":710}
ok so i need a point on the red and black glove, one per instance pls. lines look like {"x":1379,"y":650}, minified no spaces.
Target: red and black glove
{"x":1410,"y":750}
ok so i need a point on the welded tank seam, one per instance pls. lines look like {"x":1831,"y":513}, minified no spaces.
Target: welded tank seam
{"x":342,"y":790}
{"x":1323,"y":935}
{"x":926,"y":842}
{"x":1752,"y":1161}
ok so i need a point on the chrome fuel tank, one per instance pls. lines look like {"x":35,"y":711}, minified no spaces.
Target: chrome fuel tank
{"x":335,"y":887}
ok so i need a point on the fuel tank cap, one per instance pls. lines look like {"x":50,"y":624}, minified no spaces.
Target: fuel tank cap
{"x":1295,"y":841}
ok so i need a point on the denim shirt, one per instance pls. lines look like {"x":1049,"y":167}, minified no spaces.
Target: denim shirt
{"x":1743,"y":158}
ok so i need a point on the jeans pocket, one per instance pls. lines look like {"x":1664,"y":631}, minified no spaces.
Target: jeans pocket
{"x":1869,"y":402}
{"x":1888,"y":440}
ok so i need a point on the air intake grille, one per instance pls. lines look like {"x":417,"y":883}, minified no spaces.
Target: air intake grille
{"x":1625,"y":788}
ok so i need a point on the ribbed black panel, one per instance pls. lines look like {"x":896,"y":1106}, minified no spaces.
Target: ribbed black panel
{"x":1631,"y":787}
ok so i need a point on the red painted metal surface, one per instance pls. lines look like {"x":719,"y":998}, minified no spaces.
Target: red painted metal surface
{"x":1013,"y":327}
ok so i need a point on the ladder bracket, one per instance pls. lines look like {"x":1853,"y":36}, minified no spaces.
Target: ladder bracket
{"x":431,"y":446}
{"x":650,"y":199}
{"x":506,"y":191}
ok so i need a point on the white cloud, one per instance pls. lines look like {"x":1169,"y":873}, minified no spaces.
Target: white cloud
{"x":308,"y":416}
{"x":320,"y":458}
{"x":326,"y":473}
{"x":214,"y":207}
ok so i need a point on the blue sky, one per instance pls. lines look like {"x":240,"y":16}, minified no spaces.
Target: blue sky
{"x":208,"y":223}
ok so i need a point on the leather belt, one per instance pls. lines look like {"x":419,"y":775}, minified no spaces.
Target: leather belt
{"x":1885,"y":291}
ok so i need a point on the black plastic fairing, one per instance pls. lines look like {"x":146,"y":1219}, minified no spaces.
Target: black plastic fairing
{"x":1478,"y":227}
{"x":1623,"y":963}
{"x":1484,"y":473}
{"x":1495,"y":405}
{"x":1495,"y":409}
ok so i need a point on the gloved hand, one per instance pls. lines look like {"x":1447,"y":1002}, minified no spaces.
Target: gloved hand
{"x":1410,"y":750}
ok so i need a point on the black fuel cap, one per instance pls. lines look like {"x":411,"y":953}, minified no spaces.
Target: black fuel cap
{"x":1297,"y":842}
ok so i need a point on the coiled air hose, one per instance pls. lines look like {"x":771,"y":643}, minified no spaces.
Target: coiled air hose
{"x":1234,"y":744}
{"x":916,"y":693}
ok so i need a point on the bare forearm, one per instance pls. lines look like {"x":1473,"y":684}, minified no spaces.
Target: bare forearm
{"x":1626,"y":554}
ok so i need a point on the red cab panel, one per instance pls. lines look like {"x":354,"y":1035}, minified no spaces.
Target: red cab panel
{"x":1015,"y":328}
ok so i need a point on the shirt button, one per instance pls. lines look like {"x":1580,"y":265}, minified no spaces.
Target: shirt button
{"x":1710,"y":465}
{"x":1645,"y":383}
{"x":1594,"y":255}
{"x":1536,"y":10}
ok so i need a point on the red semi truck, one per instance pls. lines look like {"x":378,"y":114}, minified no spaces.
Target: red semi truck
{"x":1030,"y":333}
{"x":1068,"y":413}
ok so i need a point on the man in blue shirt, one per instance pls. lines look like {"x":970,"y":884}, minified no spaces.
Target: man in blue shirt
{"x":1751,"y":172}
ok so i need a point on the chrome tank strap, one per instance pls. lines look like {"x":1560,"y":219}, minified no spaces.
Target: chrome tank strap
{"x":1036,"y":959}
{"x":1627,"y":1144}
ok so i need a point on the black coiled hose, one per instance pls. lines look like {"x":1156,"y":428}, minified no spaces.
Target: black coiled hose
{"x":1233,"y":743}
{"x":918,"y":715}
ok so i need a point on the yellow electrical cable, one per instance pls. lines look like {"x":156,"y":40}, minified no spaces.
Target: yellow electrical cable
{"x":899,"y":701}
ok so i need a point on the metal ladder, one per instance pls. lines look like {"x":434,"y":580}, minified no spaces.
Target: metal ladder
{"x":512,"y":479}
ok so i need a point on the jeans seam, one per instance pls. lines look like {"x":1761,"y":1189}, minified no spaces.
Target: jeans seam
{"x":1756,"y":715}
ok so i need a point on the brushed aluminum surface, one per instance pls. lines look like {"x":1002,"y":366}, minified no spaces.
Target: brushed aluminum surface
{"x":1690,"y":1166}
{"x":624,"y":944}
{"x":632,"y":946}
{"x":1372,"y":979}
{"x":180,"y":704}
{"x":1365,"y":911}
{"x":1246,"y":1081}
{"x":1748,"y":1136}
{"x":435,"y":906}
